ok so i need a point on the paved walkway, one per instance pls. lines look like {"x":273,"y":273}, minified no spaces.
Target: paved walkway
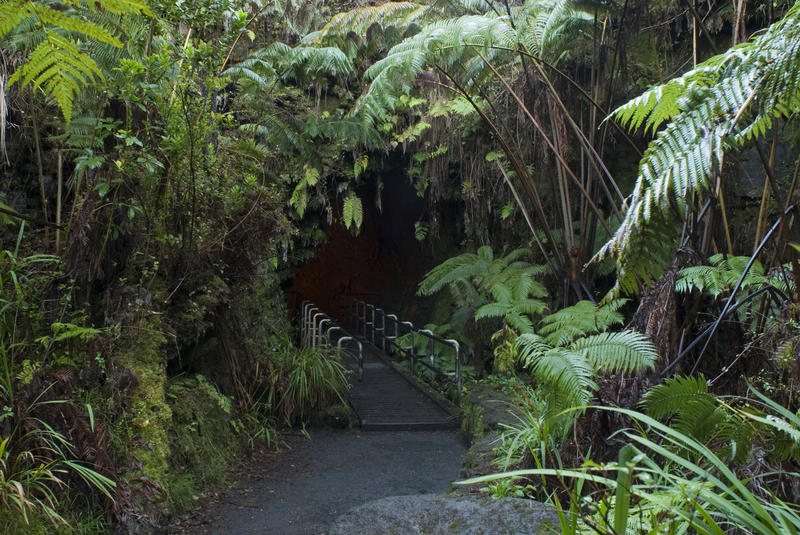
{"x":386,"y":400}
{"x":302,"y":490}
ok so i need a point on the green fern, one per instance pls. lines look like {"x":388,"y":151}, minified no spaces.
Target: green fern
{"x":352,"y":212}
{"x":624,"y":351}
{"x":462,"y":46}
{"x":721,"y":276}
{"x":697,"y":413}
{"x":568,"y":369}
{"x":580,"y":319}
{"x":727,"y":101}
{"x":675,"y":394}
{"x":57,"y":65}
{"x":359,"y":20}
{"x":513,"y":302}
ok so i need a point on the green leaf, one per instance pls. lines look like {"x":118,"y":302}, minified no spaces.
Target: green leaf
{"x":352,"y":212}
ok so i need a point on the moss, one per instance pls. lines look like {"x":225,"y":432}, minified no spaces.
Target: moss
{"x":149,"y":415}
{"x":472,"y":420}
{"x":201,"y":437}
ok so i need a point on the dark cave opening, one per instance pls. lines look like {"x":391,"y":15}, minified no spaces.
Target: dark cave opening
{"x":382,"y":264}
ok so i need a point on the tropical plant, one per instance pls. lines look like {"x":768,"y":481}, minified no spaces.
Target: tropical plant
{"x":305,"y":380}
{"x":57,"y":64}
{"x":722,"y":105}
{"x":573,"y":346}
{"x":467,"y":48}
{"x":489,"y":287}
{"x":657,"y":488}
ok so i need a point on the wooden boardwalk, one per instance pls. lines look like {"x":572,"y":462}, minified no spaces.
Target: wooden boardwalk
{"x":388,"y":400}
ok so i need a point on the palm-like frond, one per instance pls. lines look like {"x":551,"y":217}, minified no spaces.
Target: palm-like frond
{"x":58,"y":64}
{"x":580,"y":319}
{"x":624,"y":351}
{"x":731,"y":99}
{"x":450,"y":45}
{"x":698,"y":413}
{"x":545,"y":24}
{"x":670,"y":397}
{"x":360,"y":19}
{"x":567,"y":373}
{"x":721,"y":275}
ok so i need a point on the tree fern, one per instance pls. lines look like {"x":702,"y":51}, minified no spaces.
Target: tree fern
{"x":624,"y":351}
{"x":721,"y":275}
{"x":57,"y":65}
{"x":359,"y":20}
{"x":697,"y":413}
{"x":568,"y":374}
{"x":580,"y":319}
{"x":566,"y":362}
{"x":672,"y":396}
{"x":727,"y":101}
{"x":513,"y":303}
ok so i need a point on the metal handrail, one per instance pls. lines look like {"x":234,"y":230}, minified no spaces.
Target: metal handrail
{"x":313,"y":334}
{"x":361,"y":324}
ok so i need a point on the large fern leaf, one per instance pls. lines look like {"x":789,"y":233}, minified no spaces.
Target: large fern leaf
{"x":580,"y":319}
{"x":721,"y":275}
{"x":624,"y":351}
{"x":734,"y":98}
{"x":670,"y":397}
{"x":567,"y":373}
{"x":57,"y":64}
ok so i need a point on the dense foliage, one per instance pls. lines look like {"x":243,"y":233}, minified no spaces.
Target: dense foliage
{"x":166,"y":168}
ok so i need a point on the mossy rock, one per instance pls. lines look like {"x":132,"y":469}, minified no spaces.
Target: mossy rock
{"x":146,"y":481}
{"x":201,"y":437}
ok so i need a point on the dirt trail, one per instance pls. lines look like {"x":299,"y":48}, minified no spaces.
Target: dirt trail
{"x":301,"y":490}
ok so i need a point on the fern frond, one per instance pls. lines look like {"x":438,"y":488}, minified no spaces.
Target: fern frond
{"x":279,"y":132}
{"x":669,"y":398}
{"x":563,"y":371}
{"x":518,"y":321}
{"x":352,"y":212}
{"x":491,"y":310}
{"x":57,"y":64}
{"x":580,"y":319}
{"x":12,"y":13}
{"x":360,"y":19}
{"x":624,"y":351}
{"x":721,"y":276}
{"x":735,"y":98}
{"x":545,"y":24}
{"x":660,"y":104}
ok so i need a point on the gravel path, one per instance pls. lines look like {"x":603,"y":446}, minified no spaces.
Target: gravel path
{"x":301,"y":490}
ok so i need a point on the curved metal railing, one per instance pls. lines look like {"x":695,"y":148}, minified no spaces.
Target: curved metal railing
{"x":316,"y":328}
{"x":385,"y":331}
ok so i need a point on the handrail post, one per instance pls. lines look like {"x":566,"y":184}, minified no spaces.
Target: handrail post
{"x":457,"y":348}
{"x":413,"y":351}
{"x":360,"y":353}
{"x":313,"y":338}
{"x":381,"y":330}
{"x":303,"y":325}
{"x":431,"y":355}
{"x":393,"y":338}
{"x":320,"y":337}
{"x":330,"y":330}
{"x":309,"y":313}
{"x":371,"y":323}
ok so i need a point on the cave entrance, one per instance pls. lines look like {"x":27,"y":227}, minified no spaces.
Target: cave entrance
{"x":382,"y":264}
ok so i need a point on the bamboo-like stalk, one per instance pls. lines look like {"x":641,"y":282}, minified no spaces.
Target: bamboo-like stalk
{"x":60,"y":186}
{"x":40,"y":171}
{"x":550,"y":144}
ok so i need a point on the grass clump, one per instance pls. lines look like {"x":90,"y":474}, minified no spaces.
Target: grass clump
{"x":302,"y":381}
